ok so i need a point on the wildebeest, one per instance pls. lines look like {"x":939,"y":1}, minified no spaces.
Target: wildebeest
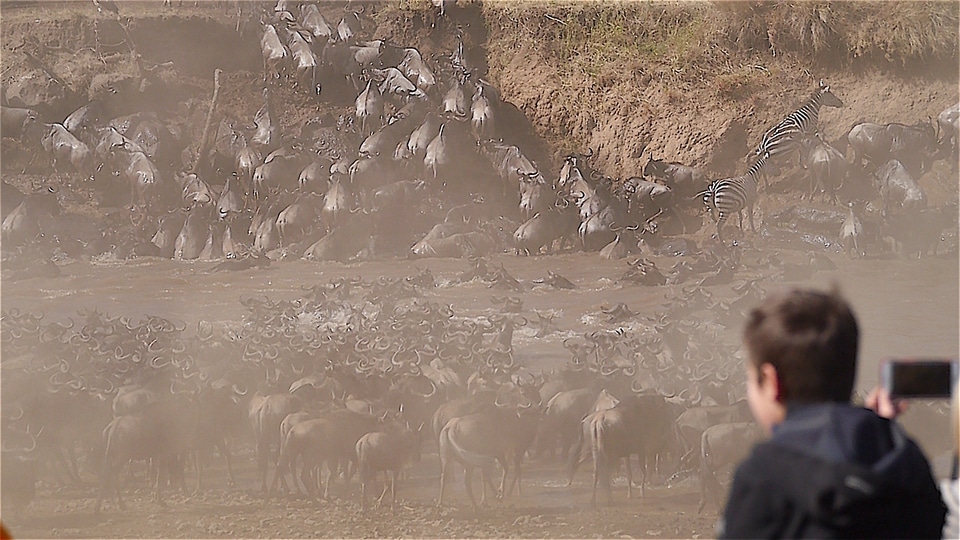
{"x":918,"y":233}
{"x":484,"y":439}
{"x":898,"y":188}
{"x":349,"y":25}
{"x":165,"y":431}
{"x":722,"y":446}
{"x":395,"y":86}
{"x":544,"y":228}
{"x":561,"y":419}
{"x":369,"y":108}
{"x":455,"y":102}
{"x":913,"y":145}
{"x":385,"y":140}
{"x":413,"y":66}
{"x":693,"y":422}
{"x":330,"y":439}
{"x":194,"y":190}
{"x":388,"y":452}
{"x":438,"y":153}
{"x":352,"y":238}
{"x":21,"y":124}
{"x":148,"y":190}
{"x":949,"y":123}
{"x":423,"y":134}
{"x":459,"y":245}
{"x":193,"y":235}
{"x":647,"y":200}
{"x":23,"y":223}
{"x":299,"y":218}
{"x":66,"y":150}
{"x":640,"y":424}
{"x":274,"y":52}
{"x":168,"y":231}
{"x":306,"y":61}
{"x":312,"y":20}
{"x":341,"y":59}
{"x":483,"y":115}
{"x":265,"y":413}
{"x":683,"y":180}
{"x":826,"y":165}
{"x":280,"y":171}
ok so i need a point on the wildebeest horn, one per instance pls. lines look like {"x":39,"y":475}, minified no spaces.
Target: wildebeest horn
{"x":433,"y":390}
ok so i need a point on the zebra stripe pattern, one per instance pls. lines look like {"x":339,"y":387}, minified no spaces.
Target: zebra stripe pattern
{"x":729,"y":195}
{"x":785,"y":137}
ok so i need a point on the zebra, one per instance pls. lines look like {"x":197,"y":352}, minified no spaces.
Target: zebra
{"x":785,"y":137}
{"x":726,"y":196}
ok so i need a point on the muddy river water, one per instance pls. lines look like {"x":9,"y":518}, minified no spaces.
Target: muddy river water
{"x":905,"y":307}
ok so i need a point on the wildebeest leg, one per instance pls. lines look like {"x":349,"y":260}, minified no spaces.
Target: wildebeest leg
{"x":179,"y":471}
{"x":606,"y":480}
{"x":225,"y":451}
{"x":278,"y":471}
{"x":597,"y":473}
{"x":516,"y":476}
{"x":106,"y":482}
{"x":468,"y":484}
{"x":393,"y":490}
{"x":487,"y":476}
{"x":331,"y":466}
{"x":200,"y":457}
{"x":263,"y":448}
{"x":309,"y":477}
{"x":444,"y":468}
{"x":162,"y":466}
{"x":626,"y":461}
{"x":503,"y":480}
{"x":364,"y":480}
{"x":73,"y":469}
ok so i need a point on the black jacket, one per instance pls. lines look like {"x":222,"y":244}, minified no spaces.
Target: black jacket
{"x":834,"y":471}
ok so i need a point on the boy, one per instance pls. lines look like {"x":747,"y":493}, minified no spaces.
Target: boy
{"x":830,"y":470}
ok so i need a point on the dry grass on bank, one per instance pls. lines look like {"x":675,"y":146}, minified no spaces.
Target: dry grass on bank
{"x":691,"y":40}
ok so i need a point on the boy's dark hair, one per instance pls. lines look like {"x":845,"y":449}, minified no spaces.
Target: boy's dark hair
{"x":811,"y":338}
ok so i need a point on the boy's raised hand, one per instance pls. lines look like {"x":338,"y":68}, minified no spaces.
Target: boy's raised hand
{"x":880,"y":402}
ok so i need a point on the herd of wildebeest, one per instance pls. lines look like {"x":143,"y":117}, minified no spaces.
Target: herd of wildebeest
{"x":428,"y":161}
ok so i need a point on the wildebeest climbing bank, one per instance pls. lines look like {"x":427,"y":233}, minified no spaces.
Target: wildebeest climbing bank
{"x":445,"y":268}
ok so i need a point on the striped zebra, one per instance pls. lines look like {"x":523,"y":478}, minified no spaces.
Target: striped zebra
{"x":785,"y":137}
{"x":729,"y":195}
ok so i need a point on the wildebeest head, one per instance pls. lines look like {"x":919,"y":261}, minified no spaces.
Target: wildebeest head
{"x":655,"y":168}
{"x":574,"y":168}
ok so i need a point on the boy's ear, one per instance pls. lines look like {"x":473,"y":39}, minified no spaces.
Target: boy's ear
{"x":771,"y":381}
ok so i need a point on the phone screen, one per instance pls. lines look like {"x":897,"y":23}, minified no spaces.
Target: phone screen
{"x":919,"y":378}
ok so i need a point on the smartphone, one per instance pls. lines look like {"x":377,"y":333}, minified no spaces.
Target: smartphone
{"x":919,"y":378}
